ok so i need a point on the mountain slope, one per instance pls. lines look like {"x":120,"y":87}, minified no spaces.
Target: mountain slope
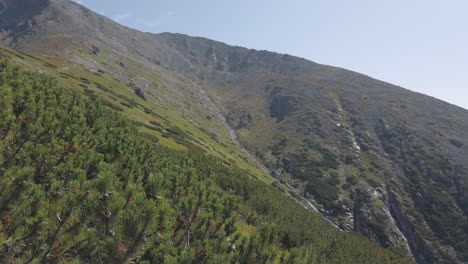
{"x":372,"y":157}
{"x":79,"y":185}
{"x":378,"y":159}
{"x":98,"y":56}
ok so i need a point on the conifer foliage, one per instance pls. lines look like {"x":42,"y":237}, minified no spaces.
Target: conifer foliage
{"x":79,"y":185}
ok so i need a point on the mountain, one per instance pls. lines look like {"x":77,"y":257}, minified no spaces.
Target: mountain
{"x":80,"y":184}
{"x":369,"y":156}
{"x":121,"y":66}
{"x":375,"y":158}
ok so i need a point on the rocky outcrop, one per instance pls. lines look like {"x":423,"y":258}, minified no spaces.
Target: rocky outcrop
{"x":422,"y":251}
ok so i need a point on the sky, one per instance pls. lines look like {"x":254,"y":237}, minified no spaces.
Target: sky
{"x":421,"y":45}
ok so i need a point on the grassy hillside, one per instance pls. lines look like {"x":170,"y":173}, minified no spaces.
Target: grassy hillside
{"x":80,"y":184}
{"x":154,"y":115}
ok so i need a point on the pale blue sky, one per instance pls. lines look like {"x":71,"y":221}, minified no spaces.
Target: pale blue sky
{"x":421,"y":45}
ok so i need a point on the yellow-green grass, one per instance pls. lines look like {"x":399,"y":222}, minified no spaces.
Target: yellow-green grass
{"x":244,"y":228}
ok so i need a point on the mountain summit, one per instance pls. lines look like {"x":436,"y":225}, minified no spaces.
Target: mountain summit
{"x":369,"y":156}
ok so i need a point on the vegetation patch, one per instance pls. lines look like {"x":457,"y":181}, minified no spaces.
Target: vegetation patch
{"x":281,"y":105}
